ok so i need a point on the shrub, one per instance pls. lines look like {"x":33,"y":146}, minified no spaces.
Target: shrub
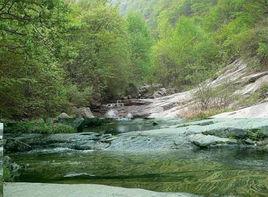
{"x":79,"y":98}
{"x":264,"y":91}
{"x":219,"y":97}
{"x":198,"y":114}
{"x":38,"y":127}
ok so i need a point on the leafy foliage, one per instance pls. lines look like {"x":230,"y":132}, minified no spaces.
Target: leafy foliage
{"x":140,"y":47}
{"x":195,"y":38}
{"x":31,"y":45}
{"x":101,"y":54}
{"x":38,"y":127}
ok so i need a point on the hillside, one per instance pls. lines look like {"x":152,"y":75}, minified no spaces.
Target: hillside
{"x":194,"y":39}
{"x":234,"y":87}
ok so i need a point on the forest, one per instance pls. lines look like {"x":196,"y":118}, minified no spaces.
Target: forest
{"x":57,"y":54}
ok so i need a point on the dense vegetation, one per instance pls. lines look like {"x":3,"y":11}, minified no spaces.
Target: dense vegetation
{"x":195,"y":38}
{"x":57,"y":54}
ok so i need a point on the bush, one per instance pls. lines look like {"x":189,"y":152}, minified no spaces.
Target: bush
{"x":198,"y":114}
{"x":11,"y":170}
{"x":209,"y":97}
{"x":37,"y":127}
{"x":79,"y":98}
{"x":264,"y":91}
{"x":7,"y":176}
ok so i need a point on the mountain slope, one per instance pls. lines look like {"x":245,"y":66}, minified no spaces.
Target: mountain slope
{"x":211,"y":97}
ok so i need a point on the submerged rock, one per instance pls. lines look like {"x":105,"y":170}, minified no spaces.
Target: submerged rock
{"x":205,"y":141}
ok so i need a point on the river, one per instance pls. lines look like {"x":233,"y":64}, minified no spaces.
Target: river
{"x":218,"y":171}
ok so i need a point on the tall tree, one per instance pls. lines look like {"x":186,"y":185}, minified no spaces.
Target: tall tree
{"x":140,"y":47}
{"x":30,"y":47}
{"x":102,"y":56}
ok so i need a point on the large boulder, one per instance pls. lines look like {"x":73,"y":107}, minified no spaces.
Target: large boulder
{"x":83,"y":112}
{"x":81,"y":190}
{"x":147,"y":91}
{"x":154,"y":91}
{"x":63,"y":116}
{"x":160,"y":93}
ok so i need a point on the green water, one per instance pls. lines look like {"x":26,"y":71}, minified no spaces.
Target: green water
{"x":123,"y":126}
{"x":219,"y":172}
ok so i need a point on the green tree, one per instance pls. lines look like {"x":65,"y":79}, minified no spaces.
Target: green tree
{"x":31,"y":43}
{"x":186,"y":56}
{"x":101,"y":58}
{"x":140,"y":47}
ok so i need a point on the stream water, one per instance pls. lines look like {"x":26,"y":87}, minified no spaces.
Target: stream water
{"x":228,"y":171}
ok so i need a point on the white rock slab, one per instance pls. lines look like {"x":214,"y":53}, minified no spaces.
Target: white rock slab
{"x":256,"y":111}
{"x":78,"y":190}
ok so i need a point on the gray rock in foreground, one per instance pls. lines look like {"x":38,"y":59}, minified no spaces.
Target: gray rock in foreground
{"x":81,"y":190}
{"x":202,"y":140}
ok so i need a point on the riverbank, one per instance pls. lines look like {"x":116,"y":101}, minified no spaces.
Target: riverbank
{"x":81,"y":190}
